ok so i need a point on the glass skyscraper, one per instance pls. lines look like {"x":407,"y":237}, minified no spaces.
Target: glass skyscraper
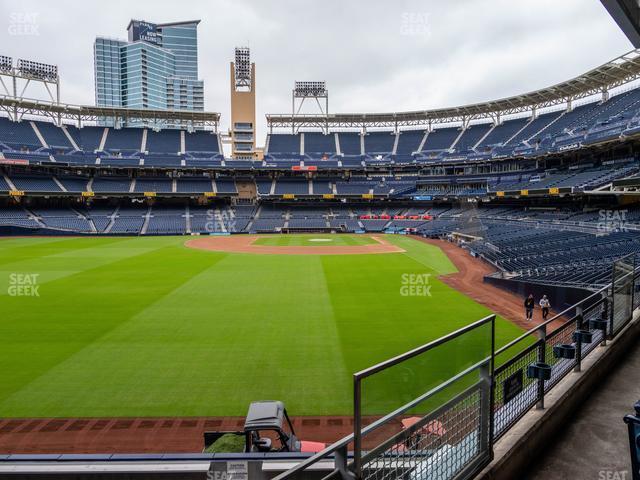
{"x":156,"y":68}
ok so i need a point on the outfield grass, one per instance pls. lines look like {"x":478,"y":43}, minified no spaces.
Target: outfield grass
{"x":146,"y":326}
{"x":314,"y":240}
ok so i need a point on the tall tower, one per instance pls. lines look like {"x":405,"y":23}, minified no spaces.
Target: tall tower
{"x":243,"y":105}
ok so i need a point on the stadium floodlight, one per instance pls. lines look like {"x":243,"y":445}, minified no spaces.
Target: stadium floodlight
{"x":310,"y":89}
{"x":25,"y":73}
{"x":37,"y":70}
{"x":242,"y":67}
{"x":6,"y":64}
{"x":303,"y":90}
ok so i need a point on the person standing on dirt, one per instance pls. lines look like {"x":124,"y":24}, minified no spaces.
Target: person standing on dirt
{"x":528,"y":307}
{"x":545,"y":305}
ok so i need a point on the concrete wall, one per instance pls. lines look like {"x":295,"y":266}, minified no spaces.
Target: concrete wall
{"x":560,"y":297}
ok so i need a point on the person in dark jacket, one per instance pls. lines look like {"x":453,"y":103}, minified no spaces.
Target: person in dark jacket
{"x":528,"y":307}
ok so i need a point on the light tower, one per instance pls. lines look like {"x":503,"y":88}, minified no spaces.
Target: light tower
{"x":310,"y":90}
{"x":243,"y":105}
{"x":16,"y":80}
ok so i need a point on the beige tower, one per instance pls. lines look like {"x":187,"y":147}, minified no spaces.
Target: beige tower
{"x":243,"y":105}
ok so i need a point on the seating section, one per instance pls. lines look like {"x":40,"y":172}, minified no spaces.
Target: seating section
{"x":162,"y":160}
{"x":319,"y":144}
{"x":35,"y":183}
{"x":226,"y":185}
{"x":87,"y":138}
{"x":167,"y":221}
{"x":18,"y":135}
{"x":200,"y":141}
{"x":409,"y":141}
{"x":69,"y":223}
{"x":74,"y":183}
{"x":153,"y":184}
{"x":54,"y":136}
{"x":533,"y":128}
{"x":501,"y":134}
{"x":111,"y":184}
{"x":322,"y":186}
{"x":529,"y":245}
{"x":353,"y":188}
{"x":550,"y":131}
{"x":124,"y":139}
{"x":526,"y":243}
{"x":472,"y":136}
{"x":408,"y":186}
{"x":293,"y":186}
{"x":380,"y":143}
{"x":441,"y":139}
{"x":349,"y":143}
{"x":164,"y":141}
{"x":117,"y":161}
{"x":193,"y":185}
{"x":284,"y":144}
{"x":127,"y":225}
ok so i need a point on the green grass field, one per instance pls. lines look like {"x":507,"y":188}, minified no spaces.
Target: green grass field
{"x":149,"y":327}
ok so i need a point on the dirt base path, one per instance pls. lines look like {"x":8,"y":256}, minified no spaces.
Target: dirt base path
{"x":469,"y":280}
{"x":245,"y":244}
{"x":152,"y":435}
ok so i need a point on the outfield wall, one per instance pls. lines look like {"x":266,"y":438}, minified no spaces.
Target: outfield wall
{"x":561,"y":297}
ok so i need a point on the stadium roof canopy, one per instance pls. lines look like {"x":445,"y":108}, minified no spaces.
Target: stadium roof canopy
{"x":615,"y":73}
{"x":18,"y":107}
{"x":626,"y":13}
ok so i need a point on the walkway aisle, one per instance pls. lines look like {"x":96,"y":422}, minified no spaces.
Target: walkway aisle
{"x":595,"y":445}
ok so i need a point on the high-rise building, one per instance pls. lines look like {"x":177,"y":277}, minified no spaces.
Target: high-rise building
{"x":155,"y":68}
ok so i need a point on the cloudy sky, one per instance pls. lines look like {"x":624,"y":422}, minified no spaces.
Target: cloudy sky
{"x":376,"y":55}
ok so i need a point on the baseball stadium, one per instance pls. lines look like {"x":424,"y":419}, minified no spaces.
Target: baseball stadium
{"x":422,"y":294}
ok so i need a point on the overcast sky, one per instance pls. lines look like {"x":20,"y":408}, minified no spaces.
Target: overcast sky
{"x":376,"y":55}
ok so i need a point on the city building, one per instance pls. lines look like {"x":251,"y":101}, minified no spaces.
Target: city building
{"x":155,"y":68}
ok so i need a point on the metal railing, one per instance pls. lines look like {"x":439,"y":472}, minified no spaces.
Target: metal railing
{"x":462,"y":420}
{"x":543,"y":359}
{"x":454,"y":423}
{"x":450,"y":429}
{"x":623,"y":287}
